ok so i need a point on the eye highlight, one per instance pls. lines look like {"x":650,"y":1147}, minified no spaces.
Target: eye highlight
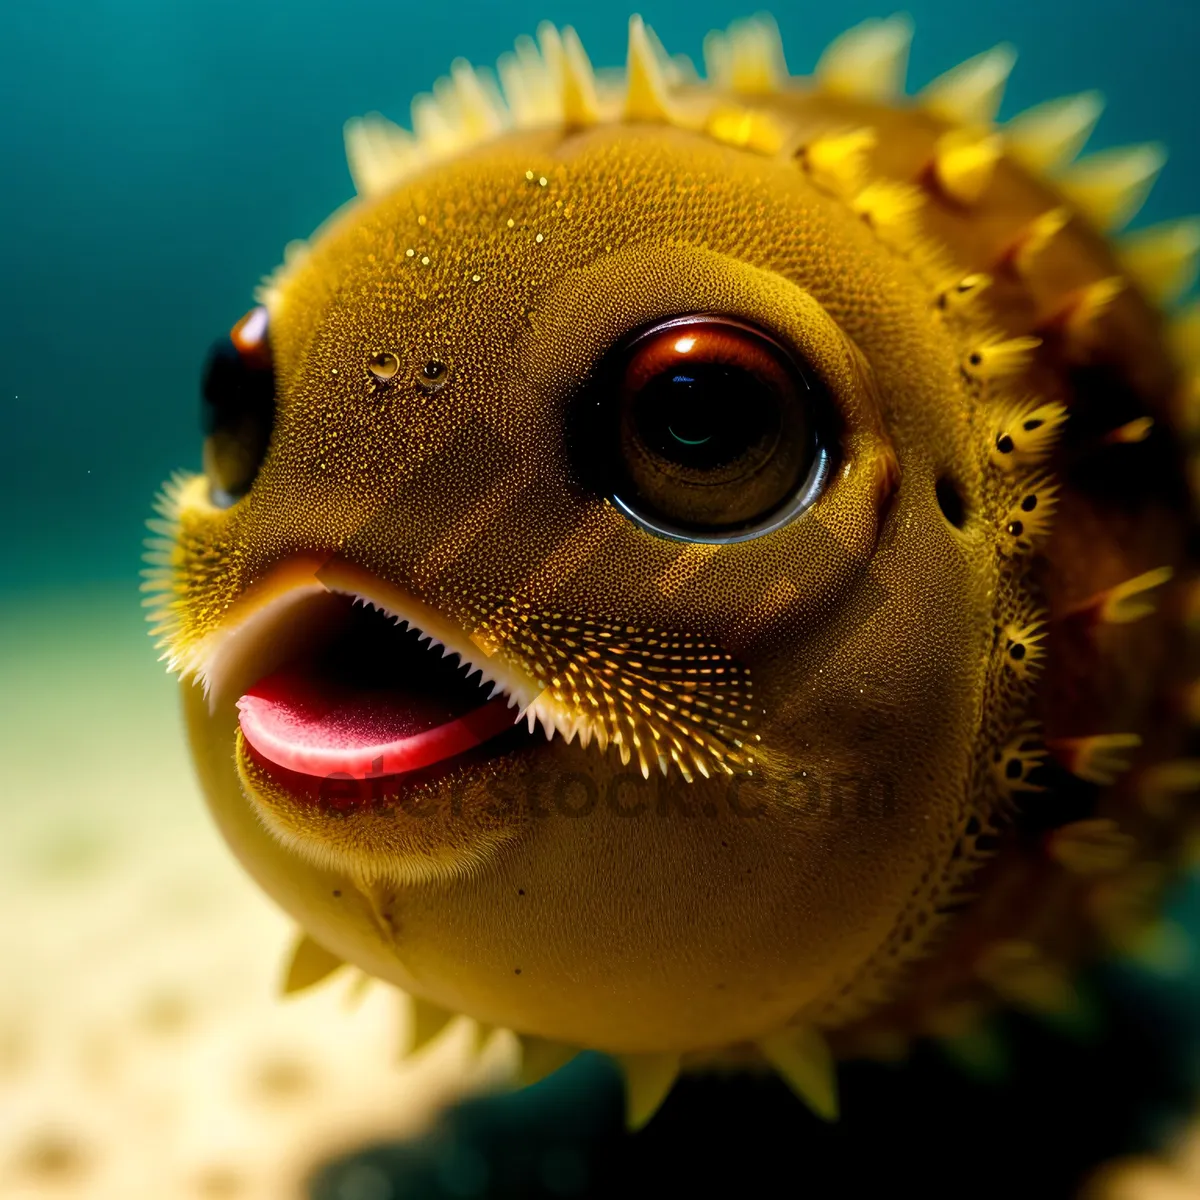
{"x":708,"y":430}
{"x":237,"y":408}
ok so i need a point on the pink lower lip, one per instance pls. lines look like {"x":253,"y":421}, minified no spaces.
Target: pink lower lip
{"x":330,"y":718}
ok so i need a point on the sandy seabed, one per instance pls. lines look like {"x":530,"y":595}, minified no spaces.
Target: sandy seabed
{"x":144,"y":1048}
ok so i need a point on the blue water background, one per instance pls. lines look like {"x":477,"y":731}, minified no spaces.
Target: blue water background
{"x":155,"y":157}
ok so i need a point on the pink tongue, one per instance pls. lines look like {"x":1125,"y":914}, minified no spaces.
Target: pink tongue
{"x":318,"y":726}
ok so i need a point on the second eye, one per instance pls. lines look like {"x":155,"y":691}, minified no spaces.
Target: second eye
{"x":238,"y":408}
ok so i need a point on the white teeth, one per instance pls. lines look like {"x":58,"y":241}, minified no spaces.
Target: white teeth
{"x":534,"y":712}
{"x":428,"y":641}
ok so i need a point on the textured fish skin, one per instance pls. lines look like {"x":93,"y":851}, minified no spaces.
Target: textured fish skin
{"x":957,"y":687}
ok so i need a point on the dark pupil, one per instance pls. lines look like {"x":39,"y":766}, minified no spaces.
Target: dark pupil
{"x":705,"y":415}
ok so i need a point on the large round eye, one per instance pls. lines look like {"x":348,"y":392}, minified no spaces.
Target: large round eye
{"x":713,"y":429}
{"x":238,"y":408}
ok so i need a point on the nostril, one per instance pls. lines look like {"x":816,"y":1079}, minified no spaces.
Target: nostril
{"x":950,"y":501}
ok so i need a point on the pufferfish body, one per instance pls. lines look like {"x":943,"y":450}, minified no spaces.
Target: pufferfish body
{"x":699,"y":568}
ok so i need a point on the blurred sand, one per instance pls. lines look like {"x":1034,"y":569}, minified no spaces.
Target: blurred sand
{"x":143,"y":1049}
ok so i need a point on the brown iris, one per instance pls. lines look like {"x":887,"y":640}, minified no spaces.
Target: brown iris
{"x":716,"y":427}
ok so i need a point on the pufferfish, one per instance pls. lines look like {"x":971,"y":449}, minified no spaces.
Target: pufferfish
{"x":699,"y":568}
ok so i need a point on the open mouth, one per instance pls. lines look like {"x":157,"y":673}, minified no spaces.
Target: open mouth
{"x":343,"y":683}
{"x":375,"y":697}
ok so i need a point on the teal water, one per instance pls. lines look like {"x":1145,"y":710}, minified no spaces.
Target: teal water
{"x":155,"y":158}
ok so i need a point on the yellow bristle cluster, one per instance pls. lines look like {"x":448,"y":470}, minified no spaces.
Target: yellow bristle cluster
{"x":1026,"y":433}
{"x":159,"y":576}
{"x":1027,"y":523}
{"x":1099,"y":759}
{"x":1023,"y":649}
{"x":1016,"y":761}
{"x":659,"y":698}
{"x":999,"y":357}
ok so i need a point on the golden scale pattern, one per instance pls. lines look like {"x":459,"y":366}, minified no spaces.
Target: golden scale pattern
{"x":655,"y":695}
{"x":626,"y":683}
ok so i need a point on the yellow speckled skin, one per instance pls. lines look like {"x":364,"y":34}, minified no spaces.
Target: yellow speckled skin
{"x":725,"y":908}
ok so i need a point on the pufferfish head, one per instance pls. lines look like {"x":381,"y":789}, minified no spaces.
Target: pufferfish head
{"x":684,"y":568}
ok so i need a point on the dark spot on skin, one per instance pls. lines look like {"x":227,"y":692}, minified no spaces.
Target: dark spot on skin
{"x":1013,"y":769}
{"x":1029,"y":503}
{"x":1016,"y":528}
{"x":516,"y":970}
{"x":1016,"y":652}
{"x":1004,"y":444}
{"x":337,"y":893}
{"x":1032,"y":424}
{"x":520,"y":891}
{"x":975,"y":359}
